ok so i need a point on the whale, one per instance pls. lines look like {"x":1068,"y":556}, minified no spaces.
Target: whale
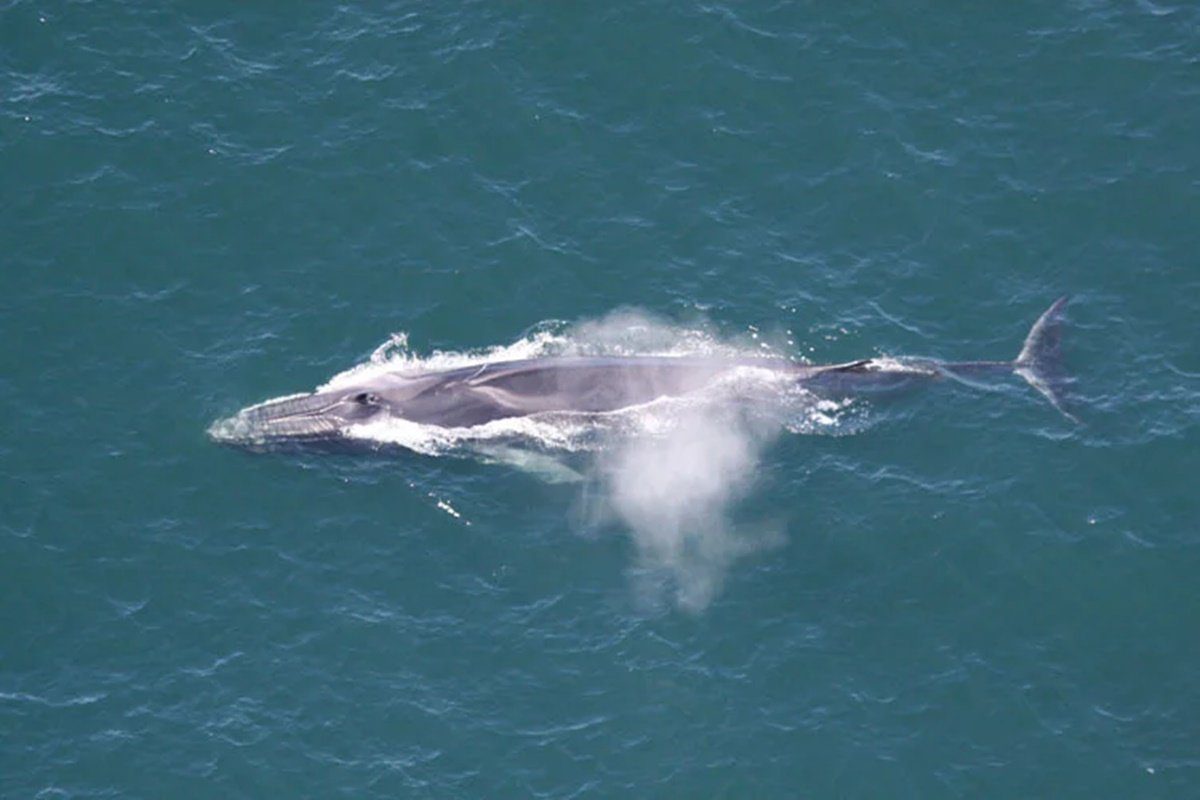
{"x":475,"y":395}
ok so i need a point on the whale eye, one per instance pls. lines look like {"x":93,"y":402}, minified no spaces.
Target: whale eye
{"x":366,"y":399}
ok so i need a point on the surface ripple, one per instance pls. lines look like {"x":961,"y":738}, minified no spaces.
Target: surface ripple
{"x":951,"y":594}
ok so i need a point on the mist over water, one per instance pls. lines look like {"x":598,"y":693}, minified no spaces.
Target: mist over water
{"x":675,"y":492}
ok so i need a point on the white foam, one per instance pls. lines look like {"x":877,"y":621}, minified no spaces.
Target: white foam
{"x":621,"y":333}
{"x":394,"y":356}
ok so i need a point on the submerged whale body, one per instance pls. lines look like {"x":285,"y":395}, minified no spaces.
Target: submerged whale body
{"x":470,"y":396}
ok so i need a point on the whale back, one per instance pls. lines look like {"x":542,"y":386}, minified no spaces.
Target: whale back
{"x":474,"y":395}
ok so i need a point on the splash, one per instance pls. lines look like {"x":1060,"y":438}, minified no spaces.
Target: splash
{"x":674,"y":490}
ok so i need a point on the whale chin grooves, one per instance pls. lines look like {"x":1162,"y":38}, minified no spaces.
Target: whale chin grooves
{"x":1040,"y":361}
{"x":296,"y":419}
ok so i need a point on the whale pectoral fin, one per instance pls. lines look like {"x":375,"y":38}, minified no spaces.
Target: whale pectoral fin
{"x":544,"y":467}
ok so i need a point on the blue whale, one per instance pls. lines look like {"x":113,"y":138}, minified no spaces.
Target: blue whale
{"x":474,"y":395}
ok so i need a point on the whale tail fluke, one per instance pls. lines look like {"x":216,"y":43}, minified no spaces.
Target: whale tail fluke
{"x":1040,"y":360}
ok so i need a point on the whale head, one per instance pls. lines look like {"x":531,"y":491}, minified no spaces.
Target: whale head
{"x":303,"y":419}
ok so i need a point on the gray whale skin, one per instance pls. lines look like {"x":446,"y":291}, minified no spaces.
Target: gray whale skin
{"x":478,"y":394}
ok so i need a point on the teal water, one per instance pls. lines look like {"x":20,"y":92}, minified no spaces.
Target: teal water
{"x":956,"y":593}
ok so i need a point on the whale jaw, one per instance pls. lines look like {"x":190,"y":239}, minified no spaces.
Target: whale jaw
{"x":294,"y":420}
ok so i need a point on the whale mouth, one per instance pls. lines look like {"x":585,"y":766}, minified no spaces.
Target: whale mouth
{"x":296,"y":419}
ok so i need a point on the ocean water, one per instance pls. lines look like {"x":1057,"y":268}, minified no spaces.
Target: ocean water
{"x":953,"y":593}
